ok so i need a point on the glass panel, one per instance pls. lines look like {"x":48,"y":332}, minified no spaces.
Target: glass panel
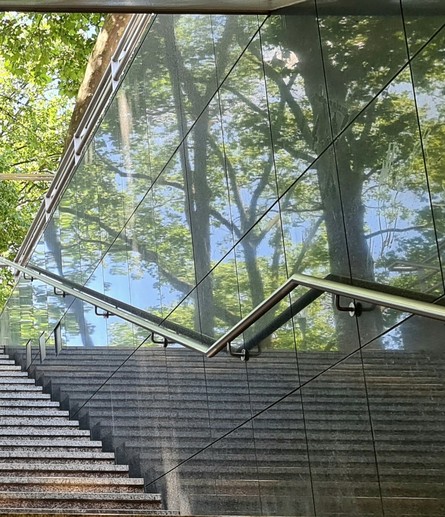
{"x":53,"y":252}
{"x":296,"y":93}
{"x":361,"y":54}
{"x":211,"y":223}
{"x":193,"y":44}
{"x":231,"y":35}
{"x":89,"y":230}
{"x":340,"y":441}
{"x":218,"y":301}
{"x":385,"y":198}
{"x":174,"y":245}
{"x":405,"y":387}
{"x":74,"y":327}
{"x":68,"y":235}
{"x":428,"y":77}
{"x":313,"y":222}
{"x":421,"y":24}
{"x":247,"y":140}
{"x":115,"y":270}
{"x":155,"y":79}
{"x":108,"y":158}
{"x":95,"y":325}
{"x":38,"y":255}
{"x":143,"y":256}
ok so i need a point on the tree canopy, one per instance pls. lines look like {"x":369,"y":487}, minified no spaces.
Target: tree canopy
{"x":42,"y":62}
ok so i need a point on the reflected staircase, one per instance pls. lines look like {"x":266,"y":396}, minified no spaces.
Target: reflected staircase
{"x":48,"y":466}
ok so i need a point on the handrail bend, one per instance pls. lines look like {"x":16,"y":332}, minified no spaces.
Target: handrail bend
{"x":363,"y":294}
{"x":317,"y":286}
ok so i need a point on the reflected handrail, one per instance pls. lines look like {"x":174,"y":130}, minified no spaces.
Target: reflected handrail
{"x":310,"y":296}
{"x":365,"y":293}
{"x":157,"y":320}
{"x":322,"y":285}
{"x":99,"y":301}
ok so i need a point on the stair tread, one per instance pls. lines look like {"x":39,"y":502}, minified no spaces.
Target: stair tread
{"x":37,"y":421}
{"x":66,"y":496}
{"x":26,"y":431}
{"x":57,"y":454}
{"x":38,"y":443}
{"x":60,"y":467}
{"x":109,"y":512}
{"x":42,"y":480}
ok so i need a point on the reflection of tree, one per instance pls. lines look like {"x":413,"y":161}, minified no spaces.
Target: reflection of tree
{"x":216,"y":130}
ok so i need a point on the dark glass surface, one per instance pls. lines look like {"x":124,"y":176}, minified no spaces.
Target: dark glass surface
{"x":421,"y":27}
{"x":296,"y":93}
{"x":340,"y":441}
{"x":405,"y":388}
{"x":261,"y":466}
{"x":428,"y":76}
{"x":221,"y":479}
{"x":361,"y":56}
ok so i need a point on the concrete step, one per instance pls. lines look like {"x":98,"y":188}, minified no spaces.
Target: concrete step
{"x":24,"y":484}
{"x":7,"y":388}
{"x":38,"y":412}
{"x":109,"y":512}
{"x":25,"y":395}
{"x":37,"y":421}
{"x":79,"y":500}
{"x":11,"y":378}
{"x":29,"y":432}
{"x":64,"y":444}
{"x":51,"y":469}
{"x":27,"y":403}
{"x":68,"y":457}
{"x":10,"y":369}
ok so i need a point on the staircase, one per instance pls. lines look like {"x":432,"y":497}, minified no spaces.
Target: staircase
{"x":48,"y":466}
{"x":165,"y":406}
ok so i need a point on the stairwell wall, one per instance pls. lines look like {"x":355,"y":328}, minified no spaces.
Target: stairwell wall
{"x":238,"y":151}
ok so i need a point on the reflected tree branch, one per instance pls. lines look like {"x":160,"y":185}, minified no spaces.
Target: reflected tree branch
{"x":395,"y":230}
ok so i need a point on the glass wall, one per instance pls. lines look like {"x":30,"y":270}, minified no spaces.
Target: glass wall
{"x":241,"y":150}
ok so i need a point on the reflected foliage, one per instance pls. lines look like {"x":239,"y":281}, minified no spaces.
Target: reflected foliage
{"x":241,"y":150}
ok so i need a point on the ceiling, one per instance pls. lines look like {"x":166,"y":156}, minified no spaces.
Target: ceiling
{"x":338,"y":7}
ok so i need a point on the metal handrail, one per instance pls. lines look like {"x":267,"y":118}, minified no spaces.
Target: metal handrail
{"x":317,"y":286}
{"x":79,"y":293}
{"x":363,"y":294}
{"x":157,"y":320}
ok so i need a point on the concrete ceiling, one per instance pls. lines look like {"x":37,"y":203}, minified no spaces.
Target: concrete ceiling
{"x":338,"y":7}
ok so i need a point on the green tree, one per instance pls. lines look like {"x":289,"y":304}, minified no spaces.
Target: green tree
{"x":42,"y":61}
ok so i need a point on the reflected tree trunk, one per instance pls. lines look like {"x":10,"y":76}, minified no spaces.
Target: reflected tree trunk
{"x":53,"y":244}
{"x":197,"y":191}
{"x":337,"y":176}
